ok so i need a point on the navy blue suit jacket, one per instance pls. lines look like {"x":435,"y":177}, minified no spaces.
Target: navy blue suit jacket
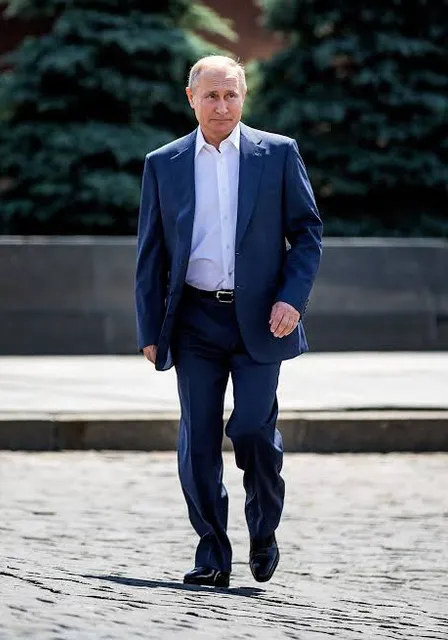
{"x":275,"y":201}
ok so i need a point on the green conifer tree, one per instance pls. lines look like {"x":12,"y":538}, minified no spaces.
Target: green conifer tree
{"x":363,"y":87}
{"x":81,"y":105}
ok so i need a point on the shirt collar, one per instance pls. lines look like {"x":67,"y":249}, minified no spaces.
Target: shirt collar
{"x":234,"y":138}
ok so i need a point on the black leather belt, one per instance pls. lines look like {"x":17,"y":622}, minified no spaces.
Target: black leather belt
{"x":226,"y":296}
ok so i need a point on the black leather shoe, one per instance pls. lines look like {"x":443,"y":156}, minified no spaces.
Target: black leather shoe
{"x":207,"y":576}
{"x":263,"y":558}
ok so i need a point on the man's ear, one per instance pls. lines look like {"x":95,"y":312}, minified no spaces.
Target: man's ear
{"x":189,"y":93}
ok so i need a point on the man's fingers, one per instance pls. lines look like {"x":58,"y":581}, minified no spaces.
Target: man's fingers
{"x":277,"y":323}
{"x":276,"y":312}
{"x":281,"y":325}
{"x":276,"y":318}
{"x":279,"y":320}
{"x":284,"y":319}
{"x":285,"y":326}
{"x":150,"y":354}
{"x":292,"y":324}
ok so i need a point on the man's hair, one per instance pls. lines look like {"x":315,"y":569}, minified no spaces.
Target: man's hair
{"x":216,"y":62}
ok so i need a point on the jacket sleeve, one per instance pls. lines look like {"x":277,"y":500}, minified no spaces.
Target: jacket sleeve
{"x":303,"y":230}
{"x":152,"y":269}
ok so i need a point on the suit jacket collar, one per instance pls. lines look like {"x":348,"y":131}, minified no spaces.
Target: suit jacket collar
{"x":251,"y":134}
{"x":251,"y":165}
{"x":234,"y":138}
{"x":185,"y":143}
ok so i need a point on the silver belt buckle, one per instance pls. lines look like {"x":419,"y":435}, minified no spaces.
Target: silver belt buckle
{"x":224,"y":296}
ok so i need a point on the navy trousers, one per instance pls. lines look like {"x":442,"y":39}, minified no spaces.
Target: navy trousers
{"x":207,"y":348}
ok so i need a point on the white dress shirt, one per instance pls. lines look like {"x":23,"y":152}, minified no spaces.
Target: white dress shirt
{"x":216,"y":173}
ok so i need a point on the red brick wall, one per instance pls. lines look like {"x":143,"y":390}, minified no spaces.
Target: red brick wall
{"x":254,"y":41}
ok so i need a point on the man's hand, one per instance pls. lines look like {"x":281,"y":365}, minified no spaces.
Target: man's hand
{"x":284,"y":319}
{"x":150,"y":353}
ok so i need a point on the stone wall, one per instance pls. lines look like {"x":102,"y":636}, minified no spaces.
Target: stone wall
{"x":75,"y":295}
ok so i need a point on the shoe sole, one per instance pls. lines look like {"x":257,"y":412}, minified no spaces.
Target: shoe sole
{"x":271,"y":573}
{"x":223,"y":584}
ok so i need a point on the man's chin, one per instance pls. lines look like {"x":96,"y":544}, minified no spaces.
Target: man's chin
{"x":223,"y":124}
{"x":222,"y":128}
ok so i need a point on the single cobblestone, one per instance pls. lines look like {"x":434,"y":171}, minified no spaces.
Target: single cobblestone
{"x":94,"y":546}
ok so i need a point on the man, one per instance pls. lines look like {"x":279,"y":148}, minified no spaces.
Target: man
{"x":219,"y":294}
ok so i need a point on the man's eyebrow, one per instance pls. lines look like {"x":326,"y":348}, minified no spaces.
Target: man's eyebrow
{"x":226,"y":91}
{"x":211,"y":91}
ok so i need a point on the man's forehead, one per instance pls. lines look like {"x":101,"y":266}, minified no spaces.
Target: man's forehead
{"x":219,"y":76}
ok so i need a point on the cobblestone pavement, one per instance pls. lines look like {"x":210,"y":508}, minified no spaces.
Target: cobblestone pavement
{"x":94,"y":545}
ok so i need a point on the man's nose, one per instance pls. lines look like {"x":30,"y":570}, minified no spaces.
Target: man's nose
{"x":221,"y":106}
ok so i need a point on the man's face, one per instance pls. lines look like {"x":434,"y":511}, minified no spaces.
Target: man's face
{"x":217,"y":100}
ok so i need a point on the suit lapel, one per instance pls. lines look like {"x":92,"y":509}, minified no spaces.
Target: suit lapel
{"x":182,"y":175}
{"x":251,"y":165}
{"x":182,"y":172}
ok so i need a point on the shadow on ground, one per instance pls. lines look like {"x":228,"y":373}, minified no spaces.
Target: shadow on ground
{"x":248,"y":592}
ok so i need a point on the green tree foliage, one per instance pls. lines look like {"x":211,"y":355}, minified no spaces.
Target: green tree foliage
{"x":363,"y":87}
{"x":81,"y":106}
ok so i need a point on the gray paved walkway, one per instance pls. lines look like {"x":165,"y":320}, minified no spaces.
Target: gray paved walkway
{"x":93,"y":546}
{"x":311,"y":382}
